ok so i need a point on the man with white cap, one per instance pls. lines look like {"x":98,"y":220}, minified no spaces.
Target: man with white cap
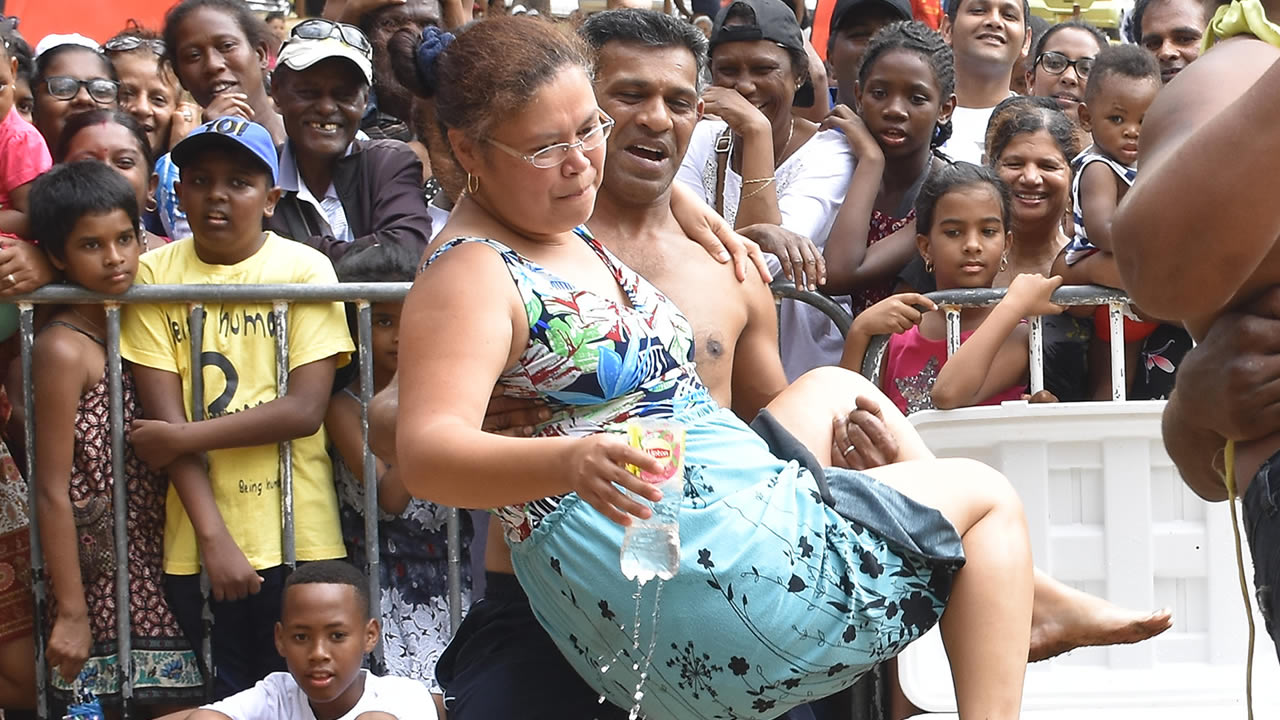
{"x":340,"y":193}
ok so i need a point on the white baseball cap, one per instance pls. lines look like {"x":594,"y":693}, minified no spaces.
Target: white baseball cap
{"x":48,"y":42}
{"x":301,"y":53}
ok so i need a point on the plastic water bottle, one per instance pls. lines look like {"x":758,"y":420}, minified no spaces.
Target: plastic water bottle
{"x":651,"y":548}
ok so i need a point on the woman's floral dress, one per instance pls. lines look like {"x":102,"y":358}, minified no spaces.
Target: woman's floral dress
{"x":779,"y":599}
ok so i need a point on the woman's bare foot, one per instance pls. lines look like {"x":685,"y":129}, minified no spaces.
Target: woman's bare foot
{"x":1064,"y":619}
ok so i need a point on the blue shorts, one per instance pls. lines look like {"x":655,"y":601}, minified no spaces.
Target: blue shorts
{"x":1262,"y":529}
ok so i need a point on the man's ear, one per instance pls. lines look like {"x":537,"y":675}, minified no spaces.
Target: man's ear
{"x":702,"y":108}
{"x":273,"y":197}
{"x":1086,"y":119}
{"x":280,"y":639}
{"x":945,"y":28}
{"x":177,"y":193}
{"x":372,"y":631}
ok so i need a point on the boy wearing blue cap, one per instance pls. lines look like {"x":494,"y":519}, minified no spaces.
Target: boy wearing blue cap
{"x":223,"y":507}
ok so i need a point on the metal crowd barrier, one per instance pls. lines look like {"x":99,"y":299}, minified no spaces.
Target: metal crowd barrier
{"x":195,"y":297}
{"x":363,"y":295}
{"x":787,"y":289}
{"x":951,"y":301}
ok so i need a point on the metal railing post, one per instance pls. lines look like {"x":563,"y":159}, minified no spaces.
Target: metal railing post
{"x":119,"y":503}
{"x":1115,"y":316}
{"x":288,"y":539}
{"x":195,"y":330}
{"x":39,"y":581}
{"x":373,"y":564}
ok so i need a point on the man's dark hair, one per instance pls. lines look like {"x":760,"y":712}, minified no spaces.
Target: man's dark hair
{"x":953,"y":9}
{"x":1098,"y":35}
{"x":648,"y":28}
{"x":1134,"y":35}
{"x":953,"y":177}
{"x":332,"y":572}
{"x":274,"y":15}
{"x":1121,"y":61}
{"x":66,"y":193}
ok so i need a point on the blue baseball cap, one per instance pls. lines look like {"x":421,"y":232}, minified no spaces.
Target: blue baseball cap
{"x":229,"y":130}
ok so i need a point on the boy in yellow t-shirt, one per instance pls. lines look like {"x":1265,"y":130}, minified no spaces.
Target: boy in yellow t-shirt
{"x":223,"y":508}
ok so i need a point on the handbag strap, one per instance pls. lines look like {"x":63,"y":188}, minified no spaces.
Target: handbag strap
{"x":723,"y":147}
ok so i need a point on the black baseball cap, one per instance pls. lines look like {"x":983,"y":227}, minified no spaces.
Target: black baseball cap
{"x":901,"y":8}
{"x":775,"y":21}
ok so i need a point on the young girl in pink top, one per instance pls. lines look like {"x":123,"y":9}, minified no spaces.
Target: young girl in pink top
{"x":962,"y":214}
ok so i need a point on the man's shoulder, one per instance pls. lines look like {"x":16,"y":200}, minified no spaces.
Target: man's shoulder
{"x":381,"y":150}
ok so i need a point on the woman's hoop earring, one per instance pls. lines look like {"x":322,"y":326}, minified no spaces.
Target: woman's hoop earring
{"x":151,"y":204}
{"x":928,"y":265}
{"x":1004,"y":262}
{"x":473,"y":184}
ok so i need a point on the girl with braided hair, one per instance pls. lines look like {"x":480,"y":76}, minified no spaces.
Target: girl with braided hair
{"x":905,"y":93}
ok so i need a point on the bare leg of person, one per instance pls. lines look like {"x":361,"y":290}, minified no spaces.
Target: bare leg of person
{"x":986,"y":627}
{"x":18,"y":674}
{"x":1063,"y":618}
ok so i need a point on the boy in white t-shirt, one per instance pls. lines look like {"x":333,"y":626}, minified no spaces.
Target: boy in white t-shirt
{"x":325,"y":630}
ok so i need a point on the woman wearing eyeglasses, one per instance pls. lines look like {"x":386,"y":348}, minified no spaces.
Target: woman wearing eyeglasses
{"x":1063,"y":57}
{"x":70,"y":79}
{"x":778,"y":599}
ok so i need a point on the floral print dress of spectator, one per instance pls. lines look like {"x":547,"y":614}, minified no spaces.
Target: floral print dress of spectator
{"x":164,"y":666}
{"x":778,"y":601}
{"x":413,"y":576}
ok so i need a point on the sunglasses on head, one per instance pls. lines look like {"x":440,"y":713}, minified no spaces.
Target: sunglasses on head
{"x":126,"y":43}
{"x":321,"y":29}
{"x":101,"y":90}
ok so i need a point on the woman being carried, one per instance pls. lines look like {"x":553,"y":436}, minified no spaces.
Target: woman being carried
{"x":548,"y":312}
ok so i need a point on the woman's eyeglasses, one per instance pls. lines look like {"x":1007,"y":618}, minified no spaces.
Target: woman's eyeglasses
{"x":101,"y":90}
{"x":128,"y":43}
{"x":1055,"y":63}
{"x":321,"y":29}
{"x":554,"y":155}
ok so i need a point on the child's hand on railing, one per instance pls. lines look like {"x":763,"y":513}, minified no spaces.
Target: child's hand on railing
{"x":1030,"y":293}
{"x":895,"y":314}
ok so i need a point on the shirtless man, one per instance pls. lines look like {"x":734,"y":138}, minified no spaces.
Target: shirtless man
{"x":648,"y":82}
{"x":1211,"y":259}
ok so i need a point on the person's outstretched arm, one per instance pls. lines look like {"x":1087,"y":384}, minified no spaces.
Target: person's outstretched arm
{"x":995,"y":355}
{"x":1186,"y":246}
